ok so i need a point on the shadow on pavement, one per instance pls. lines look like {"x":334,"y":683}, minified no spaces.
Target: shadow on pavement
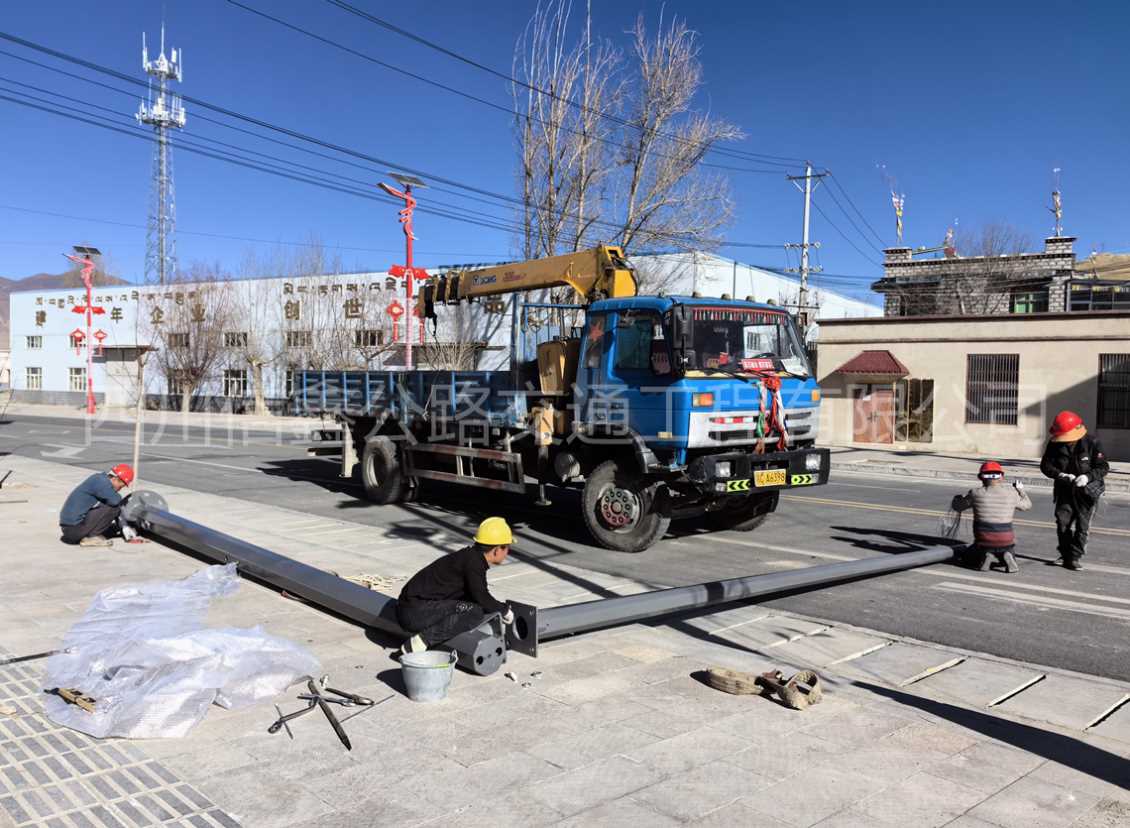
{"x":902,"y":541}
{"x":1066,"y":750}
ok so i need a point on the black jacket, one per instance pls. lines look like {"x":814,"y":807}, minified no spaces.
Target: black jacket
{"x":1084,"y":456}
{"x":460,"y":576}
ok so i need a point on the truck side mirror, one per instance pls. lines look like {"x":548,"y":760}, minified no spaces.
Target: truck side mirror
{"x":680,"y":325}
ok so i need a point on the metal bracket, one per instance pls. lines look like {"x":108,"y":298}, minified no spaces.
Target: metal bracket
{"x":522,"y":635}
{"x":481,"y":650}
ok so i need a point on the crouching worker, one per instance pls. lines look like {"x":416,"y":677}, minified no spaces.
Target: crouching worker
{"x":993,"y":506}
{"x":449,"y":596}
{"x":90,"y":512}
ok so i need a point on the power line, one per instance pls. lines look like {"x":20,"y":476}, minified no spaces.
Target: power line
{"x":847,"y":215}
{"x":859,"y":212}
{"x":674,"y":238}
{"x":385,"y":24}
{"x":842,"y":234}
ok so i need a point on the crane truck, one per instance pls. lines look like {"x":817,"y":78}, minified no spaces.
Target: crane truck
{"x":657,"y":408}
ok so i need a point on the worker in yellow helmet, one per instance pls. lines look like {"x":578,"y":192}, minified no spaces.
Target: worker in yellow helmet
{"x":449,"y":596}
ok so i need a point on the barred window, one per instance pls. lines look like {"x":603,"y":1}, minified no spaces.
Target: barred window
{"x":33,"y":378}
{"x":299,"y":339}
{"x":368,"y":338}
{"x":77,"y":378}
{"x":177,"y":340}
{"x":991,"y":388}
{"x":235,"y":382}
{"x":34,"y":343}
{"x":235,"y":339}
{"x":1114,"y":391}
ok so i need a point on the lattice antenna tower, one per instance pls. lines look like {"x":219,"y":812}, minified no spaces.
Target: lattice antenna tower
{"x":163,"y":111}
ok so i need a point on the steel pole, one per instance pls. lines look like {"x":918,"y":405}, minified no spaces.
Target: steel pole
{"x":534,"y":625}
{"x":481,"y":650}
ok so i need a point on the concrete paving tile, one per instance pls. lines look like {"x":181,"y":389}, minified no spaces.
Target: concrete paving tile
{"x":1106,"y":813}
{"x":825,"y":791}
{"x":687,"y":751}
{"x":667,"y":724}
{"x":1100,"y":775}
{"x":643,"y":653}
{"x":260,"y":799}
{"x":578,"y":691}
{"x":774,"y":758}
{"x":380,"y":810}
{"x":975,"y":681}
{"x":1034,"y":803}
{"x":694,"y":794}
{"x":770,"y":631}
{"x":1116,"y":726}
{"x":734,"y":814}
{"x":859,"y":725}
{"x":986,"y":767}
{"x":576,"y":750}
{"x":201,"y":758}
{"x":827,"y":646}
{"x":622,"y":812}
{"x":929,"y":739}
{"x":921,"y":800}
{"x":897,"y":663}
{"x":585,"y":788}
{"x":514,"y":808}
{"x":1043,"y":701}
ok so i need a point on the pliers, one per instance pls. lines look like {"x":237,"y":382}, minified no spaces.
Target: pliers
{"x":317,"y":697}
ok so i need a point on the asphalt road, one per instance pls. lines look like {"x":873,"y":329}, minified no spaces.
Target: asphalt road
{"x":1045,"y":614}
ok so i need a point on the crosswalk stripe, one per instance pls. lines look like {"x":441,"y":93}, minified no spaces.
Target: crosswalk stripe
{"x":1034,"y":600}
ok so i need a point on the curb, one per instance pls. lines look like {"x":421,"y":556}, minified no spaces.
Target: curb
{"x":894,"y":470}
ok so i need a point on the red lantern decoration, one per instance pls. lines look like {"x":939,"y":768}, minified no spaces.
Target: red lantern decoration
{"x":77,"y":339}
{"x":100,"y":337}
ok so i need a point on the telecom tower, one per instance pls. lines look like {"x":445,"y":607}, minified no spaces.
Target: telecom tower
{"x":162,"y":112}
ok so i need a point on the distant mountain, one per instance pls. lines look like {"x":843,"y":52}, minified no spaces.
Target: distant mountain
{"x":42,"y":281}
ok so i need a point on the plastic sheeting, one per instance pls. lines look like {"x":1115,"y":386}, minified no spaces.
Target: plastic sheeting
{"x":143,"y":653}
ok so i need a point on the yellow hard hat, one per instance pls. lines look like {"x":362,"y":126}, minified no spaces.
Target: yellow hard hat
{"x":494,"y":531}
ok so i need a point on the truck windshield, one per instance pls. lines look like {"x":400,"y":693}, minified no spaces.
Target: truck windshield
{"x":737,"y":339}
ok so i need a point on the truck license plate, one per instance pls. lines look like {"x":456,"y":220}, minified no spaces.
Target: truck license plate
{"x":769,"y":477}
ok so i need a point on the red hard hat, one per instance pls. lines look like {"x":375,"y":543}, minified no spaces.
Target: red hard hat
{"x":990,"y":468}
{"x":124,"y":472}
{"x":1067,"y":426}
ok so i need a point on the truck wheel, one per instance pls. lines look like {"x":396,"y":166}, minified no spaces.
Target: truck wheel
{"x":618,"y":509}
{"x":745,"y":514}
{"x":381,"y":474}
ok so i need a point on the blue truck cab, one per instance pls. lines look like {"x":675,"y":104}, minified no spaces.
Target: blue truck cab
{"x":658,"y":408}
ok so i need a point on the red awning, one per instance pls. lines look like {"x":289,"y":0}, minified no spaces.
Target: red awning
{"x":874,"y":362}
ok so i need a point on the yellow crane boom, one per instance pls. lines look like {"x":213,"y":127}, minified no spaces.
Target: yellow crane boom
{"x":601,"y":272}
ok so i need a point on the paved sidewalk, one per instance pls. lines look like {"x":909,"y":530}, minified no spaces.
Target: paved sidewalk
{"x":616,"y":730}
{"x":950,"y":466}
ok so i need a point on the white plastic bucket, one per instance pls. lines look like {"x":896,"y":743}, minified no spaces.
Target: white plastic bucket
{"x":427,"y":675}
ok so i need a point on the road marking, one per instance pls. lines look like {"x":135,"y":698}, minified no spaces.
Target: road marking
{"x":929,"y":671}
{"x":1034,"y":600}
{"x":866,"y":486}
{"x":1106,"y":713}
{"x":914,"y":510}
{"x":64,"y":451}
{"x":1016,"y":691}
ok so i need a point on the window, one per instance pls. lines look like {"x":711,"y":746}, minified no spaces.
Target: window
{"x":299,"y":339}
{"x":634,"y":335}
{"x":77,"y":379}
{"x":914,"y":401}
{"x":1028,"y":301}
{"x":178,"y":384}
{"x":368,"y":338}
{"x":991,"y":385}
{"x":235,"y":382}
{"x":1084,"y":297}
{"x":33,"y":379}
{"x":291,"y":376}
{"x":177,"y":340}
{"x":1114,"y":391}
{"x":34,"y":343}
{"x":235,"y":339}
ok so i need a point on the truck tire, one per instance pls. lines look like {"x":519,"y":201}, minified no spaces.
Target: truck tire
{"x":618,"y":509}
{"x":381,"y":472}
{"x":745,"y":514}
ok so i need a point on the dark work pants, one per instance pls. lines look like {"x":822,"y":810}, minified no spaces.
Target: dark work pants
{"x":98,"y":521}
{"x":1072,"y":523}
{"x":439,"y":621}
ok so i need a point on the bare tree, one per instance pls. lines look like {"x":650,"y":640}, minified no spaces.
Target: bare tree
{"x":454,"y":345}
{"x":189,"y":320}
{"x":258,"y":316}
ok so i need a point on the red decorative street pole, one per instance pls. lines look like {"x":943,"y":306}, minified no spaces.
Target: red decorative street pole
{"x":84,"y":259}
{"x":406,"y":271}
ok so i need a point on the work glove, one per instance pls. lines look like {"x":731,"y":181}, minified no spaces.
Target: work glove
{"x":1065,"y":476}
{"x":1018,"y":485}
{"x":508,"y":616}
{"x":1081,"y":481}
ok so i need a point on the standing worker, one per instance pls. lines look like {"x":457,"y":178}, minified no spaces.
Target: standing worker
{"x":91,"y":511}
{"x":1075,"y":461}
{"x":449,"y":596}
{"x":993,"y":506}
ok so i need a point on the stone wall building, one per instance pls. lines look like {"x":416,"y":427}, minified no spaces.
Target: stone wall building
{"x":978,"y":285}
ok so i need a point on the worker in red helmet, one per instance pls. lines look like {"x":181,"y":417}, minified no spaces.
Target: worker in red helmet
{"x":90,"y":512}
{"x":1075,"y":461}
{"x":994,"y":505}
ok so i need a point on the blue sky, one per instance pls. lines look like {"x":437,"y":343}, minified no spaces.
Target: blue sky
{"x":969,"y":105}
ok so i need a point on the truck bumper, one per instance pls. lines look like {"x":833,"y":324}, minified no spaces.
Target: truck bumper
{"x":742,"y":473}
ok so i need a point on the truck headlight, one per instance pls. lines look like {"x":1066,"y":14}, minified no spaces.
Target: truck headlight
{"x":812,"y":462}
{"x":722,"y":469}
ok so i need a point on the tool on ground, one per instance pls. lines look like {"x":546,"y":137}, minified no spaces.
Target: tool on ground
{"x":322,"y":696}
{"x":800,"y":691}
{"x":73,"y":696}
{"x":282,"y":723}
{"x":320,"y":700}
{"x":32,"y":657}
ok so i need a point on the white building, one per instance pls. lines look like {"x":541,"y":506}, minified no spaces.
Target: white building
{"x":250,"y":334}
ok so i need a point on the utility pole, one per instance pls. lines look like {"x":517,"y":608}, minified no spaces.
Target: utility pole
{"x":163,"y":113}
{"x":805,"y":268}
{"x":407,"y":271}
